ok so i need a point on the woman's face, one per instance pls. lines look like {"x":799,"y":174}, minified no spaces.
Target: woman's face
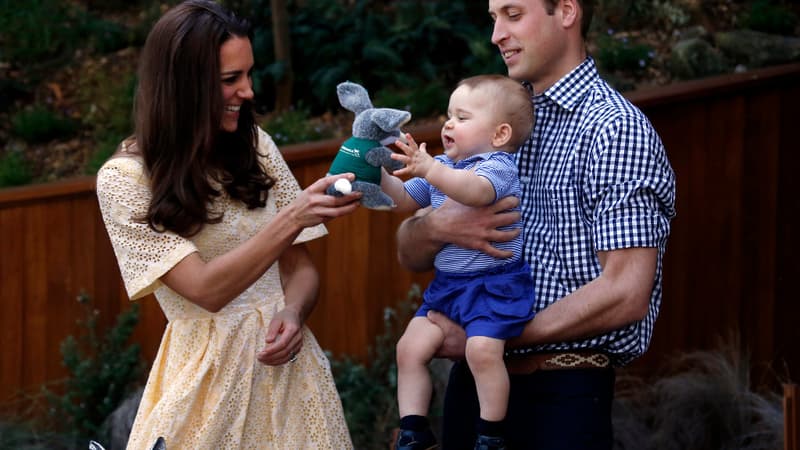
{"x":236,"y":64}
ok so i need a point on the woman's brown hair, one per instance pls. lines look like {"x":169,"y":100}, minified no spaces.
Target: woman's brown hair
{"x":178,"y":113}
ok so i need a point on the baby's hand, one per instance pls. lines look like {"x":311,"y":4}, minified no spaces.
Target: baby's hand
{"x":416,"y":159}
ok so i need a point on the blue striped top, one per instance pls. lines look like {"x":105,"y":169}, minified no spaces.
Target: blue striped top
{"x":501,"y":170}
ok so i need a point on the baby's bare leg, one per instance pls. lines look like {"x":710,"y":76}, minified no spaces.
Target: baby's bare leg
{"x":485,"y":359}
{"x":414,"y":351}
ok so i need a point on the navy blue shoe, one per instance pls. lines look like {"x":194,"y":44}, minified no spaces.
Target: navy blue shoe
{"x":415,"y":440}
{"x":489,"y":443}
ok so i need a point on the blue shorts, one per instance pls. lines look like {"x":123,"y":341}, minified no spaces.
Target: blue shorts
{"x":496,"y":303}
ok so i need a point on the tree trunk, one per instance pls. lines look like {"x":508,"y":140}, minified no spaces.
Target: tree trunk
{"x":283,"y":54}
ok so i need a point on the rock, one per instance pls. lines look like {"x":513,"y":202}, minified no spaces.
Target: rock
{"x":696,"y":58}
{"x":755,"y":49}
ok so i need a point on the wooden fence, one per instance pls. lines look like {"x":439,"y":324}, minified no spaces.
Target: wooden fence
{"x":729,"y":268}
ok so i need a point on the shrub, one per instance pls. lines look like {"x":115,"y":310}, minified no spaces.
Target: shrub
{"x":770,"y":17}
{"x":623,"y":54}
{"x":14,"y":170}
{"x":391,"y":46}
{"x":103,"y":370}
{"x":702,"y":400}
{"x":106,"y":147}
{"x":294,"y":125}
{"x":368,"y":392}
{"x":107,"y":36}
{"x":41,"y":30}
{"x":40,"y":124}
{"x":15,"y":434}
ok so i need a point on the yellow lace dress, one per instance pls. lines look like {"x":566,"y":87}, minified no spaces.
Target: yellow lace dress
{"x":206,"y":389}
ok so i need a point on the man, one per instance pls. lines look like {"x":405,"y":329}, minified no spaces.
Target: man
{"x":598,"y":194}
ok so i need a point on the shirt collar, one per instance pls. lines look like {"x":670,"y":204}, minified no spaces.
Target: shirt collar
{"x":472,"y":159}
{"x":572,"y":87}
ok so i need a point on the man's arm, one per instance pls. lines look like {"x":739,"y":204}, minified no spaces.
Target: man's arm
{"x":616,"y":298}
{"x":422,"y":235}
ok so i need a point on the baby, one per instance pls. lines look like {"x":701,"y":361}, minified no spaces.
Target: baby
{"x":489,"y":117}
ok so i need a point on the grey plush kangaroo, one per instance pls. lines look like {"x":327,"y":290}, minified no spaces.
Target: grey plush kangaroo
{"x":365,"y":152}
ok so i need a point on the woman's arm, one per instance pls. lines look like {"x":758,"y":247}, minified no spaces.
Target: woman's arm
{"x":213,"y":284}
{"x":300,"y":282}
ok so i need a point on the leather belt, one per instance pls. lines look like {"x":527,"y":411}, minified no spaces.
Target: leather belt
{"x":527,"y":364}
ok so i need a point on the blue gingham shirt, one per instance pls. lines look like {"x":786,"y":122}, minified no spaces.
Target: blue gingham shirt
{"x":501,"y":170}
{"x":595,"y":177}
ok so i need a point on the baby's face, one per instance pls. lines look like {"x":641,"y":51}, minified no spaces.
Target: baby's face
{"x":471,"y":123}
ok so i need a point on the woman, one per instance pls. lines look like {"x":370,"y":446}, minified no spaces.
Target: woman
{"x":203,"y":211}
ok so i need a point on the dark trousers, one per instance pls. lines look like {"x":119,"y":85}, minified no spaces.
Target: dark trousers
{"x":547,"y":410}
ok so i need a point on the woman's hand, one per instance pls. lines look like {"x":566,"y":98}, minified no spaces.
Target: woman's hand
{"x":284,"y":338}
{"x":313,"y":206}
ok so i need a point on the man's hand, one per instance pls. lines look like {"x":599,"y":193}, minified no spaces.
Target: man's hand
{"x":455,"y":339}
{"x":477,"y":228}
{"x":421,"y":236}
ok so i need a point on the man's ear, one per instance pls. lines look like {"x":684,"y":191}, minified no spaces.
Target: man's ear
{"x":569,"y":13}
{"x":502,"y":134}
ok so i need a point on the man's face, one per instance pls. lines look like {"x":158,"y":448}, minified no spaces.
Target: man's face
{"x":530,"y":40}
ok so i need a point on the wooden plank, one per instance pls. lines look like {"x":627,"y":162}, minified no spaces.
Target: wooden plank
{"x":35,"y":193}
{"x":35,"y":297}
{"x":60,"y":311}
{"x":787,"y":267}
{"x":791,"y":417}
{"x":12,"y":356}
{"x":759,"y":221}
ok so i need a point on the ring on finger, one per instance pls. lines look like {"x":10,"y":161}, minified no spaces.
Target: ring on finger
{"x":292,"y":357}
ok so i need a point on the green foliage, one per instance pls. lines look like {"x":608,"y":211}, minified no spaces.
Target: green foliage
{"x":622,"y":54}
{"x":422,"y":100}
{"x":770,"y":17}
{"x":385,"y":46}
{"x":635,"y":14}
{"x":109,"y":112}
{"x":47,"y":31}
{"x":40,"y":30}
{"x":107,"y":37}
{"x":19,"y":435}
{"x":40,"y":124}
{"x":106,"y":147}
{"x":294,"y":126}
{"x":103,"y":369}
{"x":14,"y":170}
{"x":368,"y":392}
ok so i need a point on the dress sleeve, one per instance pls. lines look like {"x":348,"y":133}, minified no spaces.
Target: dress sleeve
{"x":143,"y":254}
{"x":286,"y":186}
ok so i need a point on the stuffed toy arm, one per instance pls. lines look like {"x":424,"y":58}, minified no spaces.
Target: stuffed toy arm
{"x":381,"y":157}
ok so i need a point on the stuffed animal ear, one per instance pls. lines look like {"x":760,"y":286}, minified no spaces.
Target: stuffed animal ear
{"x":388,"y":119}
{"x":353,"y":97}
